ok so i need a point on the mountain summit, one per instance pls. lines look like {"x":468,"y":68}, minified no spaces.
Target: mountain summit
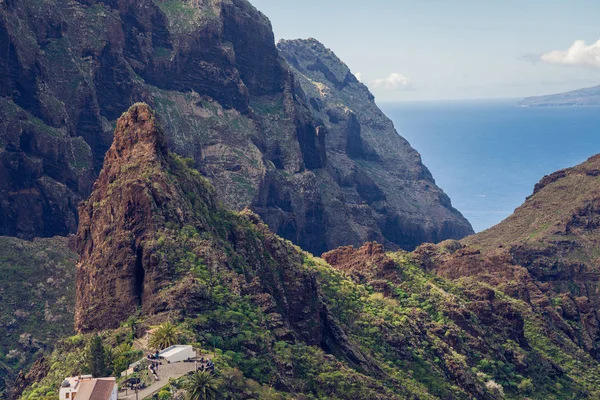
{"x":153,"y":238}
{"x":131,"y":183}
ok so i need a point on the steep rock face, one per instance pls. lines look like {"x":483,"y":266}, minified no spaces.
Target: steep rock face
{"x":121,"y":209}
{"x":69,"y":69}
{"x":212,"y":71}
{"x":146,"y":207}
{"x":43,"y":173}
{"x":386,"y":193}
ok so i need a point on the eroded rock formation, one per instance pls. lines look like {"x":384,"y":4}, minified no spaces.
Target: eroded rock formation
{"x":153,"y":229}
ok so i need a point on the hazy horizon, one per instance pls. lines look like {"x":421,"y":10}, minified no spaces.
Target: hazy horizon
{"x":432,"y":50}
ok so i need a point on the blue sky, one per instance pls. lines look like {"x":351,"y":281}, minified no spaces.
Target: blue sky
{"x":452,"y":49}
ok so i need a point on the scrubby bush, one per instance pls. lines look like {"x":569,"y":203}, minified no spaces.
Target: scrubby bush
{"x":495,"y":388}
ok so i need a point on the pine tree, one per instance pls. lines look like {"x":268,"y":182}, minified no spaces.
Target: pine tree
{"x":96,"y":359}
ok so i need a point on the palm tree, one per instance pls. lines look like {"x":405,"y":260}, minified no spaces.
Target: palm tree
{"x":167,"y":334}
{"x":201,"y":385}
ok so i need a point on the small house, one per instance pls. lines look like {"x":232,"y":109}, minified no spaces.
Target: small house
{"x":85,"y":387}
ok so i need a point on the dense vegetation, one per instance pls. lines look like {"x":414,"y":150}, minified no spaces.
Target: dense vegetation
{"x":36,"y":300}
{"x":409,"y":336}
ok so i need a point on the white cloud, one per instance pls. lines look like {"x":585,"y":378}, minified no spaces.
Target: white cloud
{"x":579,"y":54}
{"x":394,"y":81}
{"x":359,"y":76}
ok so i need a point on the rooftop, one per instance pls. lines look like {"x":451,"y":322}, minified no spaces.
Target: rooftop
{"x":169,"y":351}
{"x":89,"y":388}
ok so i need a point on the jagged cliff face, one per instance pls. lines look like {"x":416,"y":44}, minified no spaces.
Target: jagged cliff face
{"x":146,"y":211}
{"x":387,"y":194}
{"x":229,"y":101}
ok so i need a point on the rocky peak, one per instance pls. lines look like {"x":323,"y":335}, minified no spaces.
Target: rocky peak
{"x":319,"y":58}
{"x":132,"y":201}
{"x":137,"y":137}
{"x":118,"y":218}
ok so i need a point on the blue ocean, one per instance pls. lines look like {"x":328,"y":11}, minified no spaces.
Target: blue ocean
{"x":488,"y":155}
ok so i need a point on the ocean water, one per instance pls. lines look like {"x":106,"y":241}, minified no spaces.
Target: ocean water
{"x":488,"y":155}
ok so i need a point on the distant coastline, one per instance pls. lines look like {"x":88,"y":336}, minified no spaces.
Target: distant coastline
{"x":557,"y":105}
{"x":587,"y":97}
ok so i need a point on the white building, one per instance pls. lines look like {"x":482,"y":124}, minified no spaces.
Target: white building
{"x":177,"y":353}
{"x":85,"y":387}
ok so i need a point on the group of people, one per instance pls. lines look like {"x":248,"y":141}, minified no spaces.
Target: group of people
{"x":134,"y":383}
{"x":153,"y":369}
{"x":154,"y":363}
{"x":205,"y":365}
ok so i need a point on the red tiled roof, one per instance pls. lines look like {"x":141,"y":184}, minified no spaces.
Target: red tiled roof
{"x":96,"y":389}
{"x":103,"y":389}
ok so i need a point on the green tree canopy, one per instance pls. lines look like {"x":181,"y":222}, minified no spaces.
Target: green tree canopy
{"x":167,"y":334}
{"x":96,"y":358}
{"x":201,"y":385}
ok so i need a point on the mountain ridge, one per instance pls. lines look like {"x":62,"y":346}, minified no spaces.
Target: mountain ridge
{"x":228,"y":100}
{"x":362,"y":142}
{"x":545,"y":254}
